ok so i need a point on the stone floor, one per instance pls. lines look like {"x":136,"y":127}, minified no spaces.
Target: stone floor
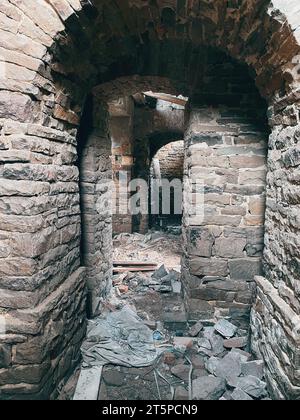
{"x":201,"y":361}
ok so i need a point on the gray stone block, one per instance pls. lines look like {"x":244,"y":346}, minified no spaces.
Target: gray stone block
{"x":245,"y":269}
{"x":208,"y":388}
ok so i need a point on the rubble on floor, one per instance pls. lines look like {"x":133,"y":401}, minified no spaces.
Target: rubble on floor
{"x":184,"y":372}
{"x":163,"y":248}
{"x":160,"y":354}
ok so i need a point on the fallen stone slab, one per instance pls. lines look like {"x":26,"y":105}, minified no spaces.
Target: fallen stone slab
{"x":181,"y":394}
{"x":204,"y":343}
{"x":245,"y":356}
{"x":227,"y":396}
{"x":160,"y":273}
{"x":252,"y":386}
{"x":240,"y":395}
{"x":212,"y":364}
{"x":181,"y":371}
{"x":226,"y":328}
{"x":228,"y":368}
{"x":171,"y":277}
{"x":199,"y":373}
{"x":198,"y":361}
{"x":255,"y":368}
{"x":183,"y":342}
{"x":196,"y":329}
{"x":215,"y":340}
{"x":208,"y":388}
{"x":236,"y":343}
{"x":217,"y":345}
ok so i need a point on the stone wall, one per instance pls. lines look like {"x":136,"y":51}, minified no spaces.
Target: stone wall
{"x":154,"y":127}
{"x":226,"y":156}
{"x":171,"y":160}
{"x":42,"y":287}
{"x":121,"y":132}
{"x":275,"y":316}
{"x":168,"y":164}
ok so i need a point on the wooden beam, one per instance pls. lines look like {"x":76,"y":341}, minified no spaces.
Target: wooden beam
{"x":118,"y":270}
{"x":167,"y":98}
{"x":134,"y":263}
{"x":88,"y":385}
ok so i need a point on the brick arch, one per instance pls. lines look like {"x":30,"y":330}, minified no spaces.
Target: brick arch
{"x":256,"y":33}
{"x":129,"y":86}
{"x":46,"y":54}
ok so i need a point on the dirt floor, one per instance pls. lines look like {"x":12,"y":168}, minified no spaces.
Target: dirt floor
{"x":159,"y":247}
{"x":200,"y":361}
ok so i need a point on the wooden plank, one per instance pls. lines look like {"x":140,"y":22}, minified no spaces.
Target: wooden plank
{"x":134,"y":269}
{"x":134,"y":264}
{"x":88,"y":384}
{"x":167,"y":98}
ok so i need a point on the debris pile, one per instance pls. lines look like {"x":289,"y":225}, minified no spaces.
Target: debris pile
{"x":150,"y":350}
{"x":194,"y":368}
{"x":132,"y":280}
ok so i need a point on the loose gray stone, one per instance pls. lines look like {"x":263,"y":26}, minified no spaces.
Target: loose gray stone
{"x":205,"y":346}
{"x":196,"y":329}
{"x":245,"y":357}
{"x":212,"y":365}
{"x":228,"y":368}
{"x":216,"y":341}
{"x":181,"y":394}
{"x":240,"y":395}
{"x":198,"y":361}
{"x":208,"y":388}
{"x":226,"y":329}
{"x":160,"y":273}
{"x":252,"y":386}
{"x":236,"y":343}
{"x":181,"y":371}
{"x":255,"y":368}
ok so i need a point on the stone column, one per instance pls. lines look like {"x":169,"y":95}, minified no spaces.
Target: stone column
{"x":223,"y":246}
{"x":96,"y":199}
{"x":42,"y":286}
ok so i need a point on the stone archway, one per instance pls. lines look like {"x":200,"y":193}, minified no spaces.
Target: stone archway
{"x":40,"y":108}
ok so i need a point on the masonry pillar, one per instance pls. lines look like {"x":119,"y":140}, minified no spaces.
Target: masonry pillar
{"x":96,"y":202}
{"x":226,"y":156}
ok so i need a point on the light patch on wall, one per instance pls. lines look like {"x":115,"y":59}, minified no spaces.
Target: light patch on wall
{"x":2,"y":68}
{"x":2,"y":325}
